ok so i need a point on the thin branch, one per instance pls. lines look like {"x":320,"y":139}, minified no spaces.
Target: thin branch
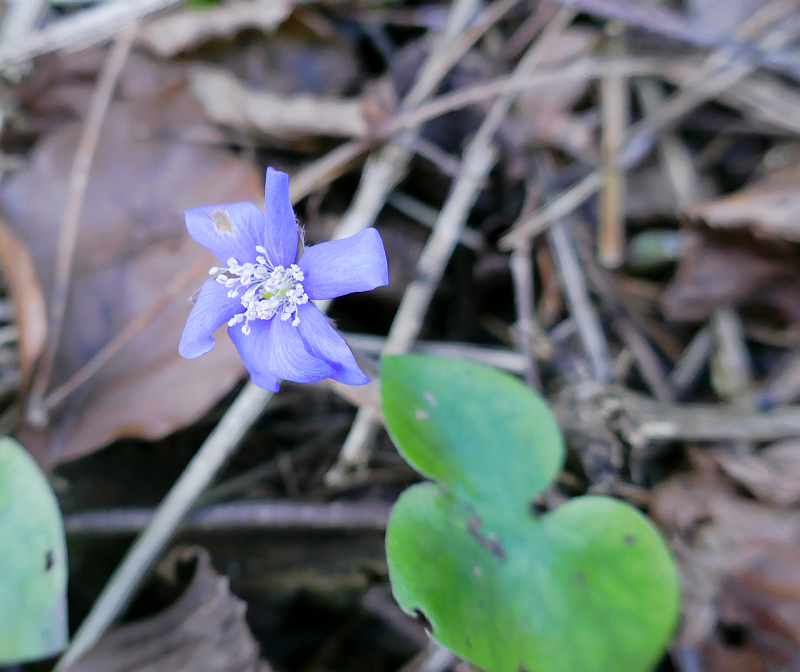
{"x":244,"y":515}
{"x":76,"y":192}
{"x":479,"y":157}
{"x":720,"y":71}
{"x":82,"y":30}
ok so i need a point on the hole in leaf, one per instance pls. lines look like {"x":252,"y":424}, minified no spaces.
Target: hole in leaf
{"x":49,"y":561}
{"x":732,"y":634}
{"x":629,"y":539}
{"x":422,"y":618}
{"x":537,"y":506}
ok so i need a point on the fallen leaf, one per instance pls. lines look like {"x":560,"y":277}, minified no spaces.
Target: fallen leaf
{"x":769,"y":207}
{"x":189,"y":28}
{"x":203,"y":631}
{"x":739,"y":562}
{"x":228,"y":102}
{"x":132,"y":244}
{"x":26,"y":294}
{"x":772,"y":475}
{"x":734,"y":268}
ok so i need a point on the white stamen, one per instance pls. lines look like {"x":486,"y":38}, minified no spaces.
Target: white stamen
{"x":270,"y":290}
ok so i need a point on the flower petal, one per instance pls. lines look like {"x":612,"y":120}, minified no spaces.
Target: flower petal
{"x":230,"y":230}
{"x":339,"y":267}
{"x":324,"y":342}
{"x":274,"y":348}
{"x":281,"y":232}
{"x":213,"y":309}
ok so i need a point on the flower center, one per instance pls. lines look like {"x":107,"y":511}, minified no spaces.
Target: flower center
{"x":268,"y":290}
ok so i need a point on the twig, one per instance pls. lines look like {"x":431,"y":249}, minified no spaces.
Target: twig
{"x":19,"y":19}
{"x":623,"y":320}
{"x":581,"y":308}
{"x":508,"y":360}
{"x":68,"y":234}
{"x":655,"y":422}
{"x":244,"y":515}
{"x":427,"y":216}
{"x":479,"y":157}
{"x":615,"y":109}
{"x":719,"y":71}
{"x":82,"y":30}
{"x":136,"y":564}
{"x":203,"y":468}
{"x":522,"y":275}
{"x":670,"y":24}
{"x":731,"y":369}
{"x":385,"y":170}
{"x":693,"y":361}
{"x":675,"y":157}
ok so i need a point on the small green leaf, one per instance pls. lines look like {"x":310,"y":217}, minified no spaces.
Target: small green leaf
{"x":589,"y":587}
{"x":33,"y":561}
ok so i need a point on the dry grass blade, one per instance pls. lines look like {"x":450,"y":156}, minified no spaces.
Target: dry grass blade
{"x":719,"y":72}
{"x":615,"y":109}
{"x":82,"y":30}
{"x":68,"y":235}
{"x":479,"y":157}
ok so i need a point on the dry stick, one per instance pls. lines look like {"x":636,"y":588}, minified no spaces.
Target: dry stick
{"x":205,"y":465}
{"x":19,"y":19}
{"x":210,"y":458}
{"x":623,"y":321}
{"x":719,"y":72}
{"x":731,"y":368}
{"x":672,"y":25}
{"x":68,"y":234}
{"x":585,"y":68}
{"x":82,"y":30}
{"x":500,"y":358}
{"x":615,"y":110}
{"x":385,"y":170}
{"x":341,"y":159}
{"x":692,"y":362}
{"x":685,"y":181}
{"x":314,"y":176}
{"x":479,"y":158}
{"x":522,"y":275}
{"x":521,"y":265}
{"x":581,"y":308}
{"x":244,"y":515}
{"x":136,"y":564}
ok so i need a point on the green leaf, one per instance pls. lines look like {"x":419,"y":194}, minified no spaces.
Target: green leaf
{"x":33,"y":561}
{"x":589,"y":587}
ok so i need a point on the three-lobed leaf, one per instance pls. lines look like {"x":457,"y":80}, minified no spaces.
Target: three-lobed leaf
{"x":588,"y":587}
{"x":33,"y":561}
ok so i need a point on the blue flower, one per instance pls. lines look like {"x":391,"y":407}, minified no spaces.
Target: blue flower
{"x":263,"y":290}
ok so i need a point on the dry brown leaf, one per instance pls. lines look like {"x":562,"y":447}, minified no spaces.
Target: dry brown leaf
{"x":772,"y":475}
{"x":740,"y":570}
{"x":189,"y":28}
{"x":733,"y":268}
{"x":132,"y":244}
{"x":26,"y":294}
{"x":228,"y":102}
{"x":770,"y":207}
{"x":203,"y":631}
